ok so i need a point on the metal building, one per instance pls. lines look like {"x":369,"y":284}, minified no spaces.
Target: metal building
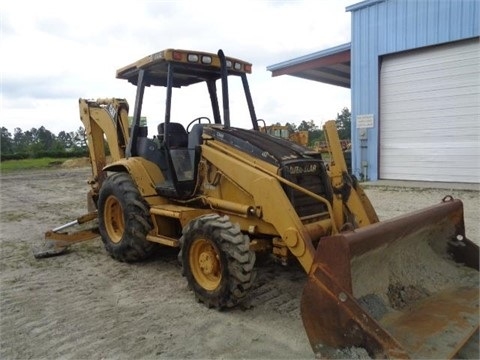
{"x":413,"y":67}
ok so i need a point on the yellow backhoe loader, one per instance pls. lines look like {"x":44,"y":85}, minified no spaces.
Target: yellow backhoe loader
{"x":401,"y":288}
{"x":284,"y":132}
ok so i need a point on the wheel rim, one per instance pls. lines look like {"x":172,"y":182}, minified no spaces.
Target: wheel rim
{"x":113,"y":218}
{"x":205,"y":264}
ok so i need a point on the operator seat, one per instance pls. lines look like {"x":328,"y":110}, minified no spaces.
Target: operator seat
{"x":179,"y":173}
{"x":177,"y":135}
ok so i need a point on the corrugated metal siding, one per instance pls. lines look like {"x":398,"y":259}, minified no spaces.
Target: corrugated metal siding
{"x":380,"y":28}
{"x":364,"y":71}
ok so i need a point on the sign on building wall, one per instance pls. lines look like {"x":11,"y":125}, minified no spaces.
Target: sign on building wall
{"x":365,"y":121}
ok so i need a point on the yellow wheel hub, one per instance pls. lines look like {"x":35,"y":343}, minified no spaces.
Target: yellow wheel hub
{"x":205,"y":264}
{"x":113,"y":218}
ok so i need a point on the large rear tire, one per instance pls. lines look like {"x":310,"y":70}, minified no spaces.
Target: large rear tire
{"x":217,"y":261}
{"x":124,"y":219}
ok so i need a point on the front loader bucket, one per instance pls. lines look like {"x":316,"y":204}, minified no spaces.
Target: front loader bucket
{"x":402,"y":288}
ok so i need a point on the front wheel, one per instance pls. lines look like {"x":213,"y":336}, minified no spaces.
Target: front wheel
{"x":217,"y":261}
{"x":124,"y":219}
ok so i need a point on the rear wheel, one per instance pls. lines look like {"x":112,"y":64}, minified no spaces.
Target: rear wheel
{"x":124,"y":219}
{"x":217,"y":261}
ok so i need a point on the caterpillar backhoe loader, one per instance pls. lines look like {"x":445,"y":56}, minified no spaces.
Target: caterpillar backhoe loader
{"x":401,"y":288}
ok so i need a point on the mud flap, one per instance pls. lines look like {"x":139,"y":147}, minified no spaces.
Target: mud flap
{"x":402,"y":288}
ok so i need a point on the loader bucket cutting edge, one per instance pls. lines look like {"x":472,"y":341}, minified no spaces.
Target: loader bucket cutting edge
{"x":402,"y":288}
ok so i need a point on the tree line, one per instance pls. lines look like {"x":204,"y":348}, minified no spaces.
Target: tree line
{"x":38,"y":143}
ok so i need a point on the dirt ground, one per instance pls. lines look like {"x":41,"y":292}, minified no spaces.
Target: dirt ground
{"x":85,"y":305}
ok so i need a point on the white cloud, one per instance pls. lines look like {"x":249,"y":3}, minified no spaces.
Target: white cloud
{"x":55,"y":52}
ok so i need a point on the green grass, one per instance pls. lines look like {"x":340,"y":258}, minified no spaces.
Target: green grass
{"x":27,"y":164}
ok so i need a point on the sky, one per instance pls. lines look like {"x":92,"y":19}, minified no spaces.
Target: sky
{"x":55,"y":52}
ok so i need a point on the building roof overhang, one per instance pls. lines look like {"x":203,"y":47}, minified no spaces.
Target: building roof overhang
{"x":330,"y":66}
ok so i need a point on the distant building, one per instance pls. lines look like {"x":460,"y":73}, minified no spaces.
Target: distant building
{"x":413,"y":67}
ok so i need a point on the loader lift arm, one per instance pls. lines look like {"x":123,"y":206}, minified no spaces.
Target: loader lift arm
{"x":349,"y":196}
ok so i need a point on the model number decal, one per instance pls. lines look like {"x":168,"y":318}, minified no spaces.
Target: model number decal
{"x":305,"y":169}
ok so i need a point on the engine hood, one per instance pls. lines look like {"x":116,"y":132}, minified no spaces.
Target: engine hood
{"x":271,"y":149}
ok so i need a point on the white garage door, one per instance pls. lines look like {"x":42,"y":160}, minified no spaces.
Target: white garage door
{"x":430,"y":114}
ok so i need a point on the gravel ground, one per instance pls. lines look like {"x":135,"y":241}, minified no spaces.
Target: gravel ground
{"x":85,"y":305}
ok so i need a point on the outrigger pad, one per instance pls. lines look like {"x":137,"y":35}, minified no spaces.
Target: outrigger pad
{"x":47,"y":249}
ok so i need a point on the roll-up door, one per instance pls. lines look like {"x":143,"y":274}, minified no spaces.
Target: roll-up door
{"x":430,"y":114}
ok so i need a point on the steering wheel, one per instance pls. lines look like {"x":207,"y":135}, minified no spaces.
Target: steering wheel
{"x":198,"y":120}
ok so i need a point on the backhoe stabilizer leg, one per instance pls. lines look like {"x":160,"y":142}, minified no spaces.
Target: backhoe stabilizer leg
{"x":48,"y":248}
{"x":57,"y":243}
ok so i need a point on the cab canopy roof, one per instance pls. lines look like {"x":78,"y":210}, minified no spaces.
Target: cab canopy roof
{"x":189,"y":66}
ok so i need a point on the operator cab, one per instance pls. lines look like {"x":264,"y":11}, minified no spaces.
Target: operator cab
{"x":175,"y":148}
